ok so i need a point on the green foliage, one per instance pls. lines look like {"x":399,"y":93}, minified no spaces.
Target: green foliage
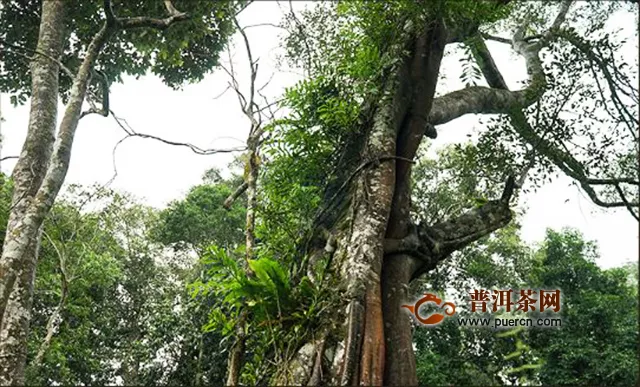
{"x":124,"y":305}
{"x":598,"y":341}
{"x":596,"y":344}
{"x":183,"y":53}
{"x":281,"y":314}
{"x":200,"y":218}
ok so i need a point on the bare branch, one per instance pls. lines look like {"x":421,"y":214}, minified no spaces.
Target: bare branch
{"x":244,"y":7}
{"x":144,"y":21}
{"x":253,"y":68}
{"x":525,"y":171}
{"x":222,"y":93}
{"x":614,"y":181}
{"x":54,"y":60}
{"x":626,"y":202}
{"x":263,"y":25}
{"x":124,"y":125}
{"x":496,"y":38}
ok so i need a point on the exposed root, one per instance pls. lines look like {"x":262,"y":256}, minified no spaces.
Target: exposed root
{"x":373,"y":347}
{"x":349,"y":364}
{"x":316,"y":375}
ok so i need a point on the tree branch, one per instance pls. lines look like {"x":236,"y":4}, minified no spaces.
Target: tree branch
{"x":232,"y":198}
{"x":104,"y":101}
{"x":432,"y":244}
{"x":491,"y":101}
{"x":144,"y":21}
{"x":124,"y":125}
{"x":62,"y":148}
{"x":626,"y":202}
{"x":615,"y":181}
{"x":562,"y":159}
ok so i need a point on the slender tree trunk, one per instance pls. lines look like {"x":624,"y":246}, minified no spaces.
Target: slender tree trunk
{"x":42,"y":168}
{"x":20,"y":249}
{"x":199,"y":373}
{"x":38,"y":177}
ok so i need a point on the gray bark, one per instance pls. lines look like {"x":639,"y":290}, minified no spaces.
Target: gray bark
{"x":376,"y":206}
{"x":19,"y":254}
{"x":41,"y":170}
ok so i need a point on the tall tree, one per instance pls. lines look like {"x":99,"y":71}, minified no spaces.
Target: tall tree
{"x":598,"y":342}
{"x":88,"y":42}
{"x":336,"y":197}
{"x":193,"y":225}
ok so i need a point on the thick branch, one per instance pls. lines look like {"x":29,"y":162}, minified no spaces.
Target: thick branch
{"x":486,"y":100}
{"x":435,"y":243}
{"x":457,"y":233}
{"x":563,"y":160}
{"x":477,"y":100}
{"x":487,"y":64}
{"x":491,"y":101}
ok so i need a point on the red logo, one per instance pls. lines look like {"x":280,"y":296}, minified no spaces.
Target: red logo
{"x":435,"y":318}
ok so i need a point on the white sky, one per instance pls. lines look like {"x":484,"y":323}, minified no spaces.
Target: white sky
{"x":159,"y":173}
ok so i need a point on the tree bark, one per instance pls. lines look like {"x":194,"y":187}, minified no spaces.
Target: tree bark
{"x":20,"y":249}
{"x":41,"y":170}
{"x":398,"y":269}
{"x":379,"y":250}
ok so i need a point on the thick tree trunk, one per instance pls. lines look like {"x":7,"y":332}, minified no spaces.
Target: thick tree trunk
{"x":379,"y":250}
{"x":400,"y":268}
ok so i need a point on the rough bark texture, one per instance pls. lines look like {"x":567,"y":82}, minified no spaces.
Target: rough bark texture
{"x":379,"y":250}
{"x":19,"y":254}
{"x":41,"y":170}
{"x":429,"y":48}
